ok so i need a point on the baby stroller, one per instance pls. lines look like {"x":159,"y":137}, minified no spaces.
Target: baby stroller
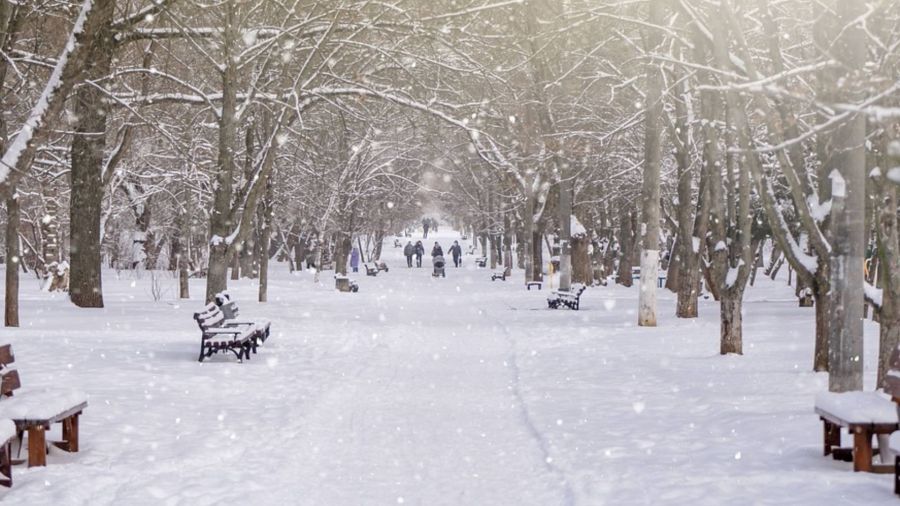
{"x":438,"y":263}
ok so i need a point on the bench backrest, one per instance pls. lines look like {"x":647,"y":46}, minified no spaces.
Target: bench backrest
{"x":9,"y":377}
{"x":211,"y":316}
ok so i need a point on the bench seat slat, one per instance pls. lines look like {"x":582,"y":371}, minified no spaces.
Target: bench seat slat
{"x":860,"y":408}
{"x":42,"y":406}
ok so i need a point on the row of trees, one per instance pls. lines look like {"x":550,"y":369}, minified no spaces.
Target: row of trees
{"x":205,"y":138}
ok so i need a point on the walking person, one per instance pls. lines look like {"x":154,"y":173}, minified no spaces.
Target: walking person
{"x":354,"y":259}
{"x":437,"y":251}
{"x":409,"y":250}
{"x":426,"y":224}
{"x":456,"y":253}
{"x":420,"y":252}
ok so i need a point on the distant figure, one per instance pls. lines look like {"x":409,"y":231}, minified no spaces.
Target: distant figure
{"x":420,"y":252}
{"x":409,"y":250}
{"x":434,"y":225}
{"x":426,"y":224}
{"x":354,"y":259}
{"x":437,"y":251}
{"x":456,"y":253}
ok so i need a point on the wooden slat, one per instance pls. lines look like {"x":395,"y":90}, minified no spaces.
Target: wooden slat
{"x":6,"y":355}
{"x":26,"y":423}
{"x":9,"y":383}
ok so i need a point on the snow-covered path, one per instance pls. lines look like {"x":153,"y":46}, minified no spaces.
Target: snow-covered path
{"x":432,"y":391}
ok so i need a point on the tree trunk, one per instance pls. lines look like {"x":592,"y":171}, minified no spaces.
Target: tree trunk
{"x":88,"y":147}
{"x":342,"y":246}
{"x":732,"y":322}
{"x":823,"y":316}
{"x":263,"y":256}
{"x":379,"y":243}
{"x":565,"y":231}
{"x":537,"y":253}
{"x":581,"y":260}
{"x":528,"y":239}
{"x":625,"y":248}
{"x":12,"y":262}
{"x":848,"y":215}
{"x":650,"y":212}
{"x":221,"y":216}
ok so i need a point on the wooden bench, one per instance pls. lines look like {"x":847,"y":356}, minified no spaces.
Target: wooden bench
{"x":481,"y":262}
{"x":863,"y":415}
{"x":570,"y":299}
{"x":530,"y":284}
{"x":218,"y":336}
{"x":371,"y":270}
{"x":381,"y":266}
{"x":35,"y":411}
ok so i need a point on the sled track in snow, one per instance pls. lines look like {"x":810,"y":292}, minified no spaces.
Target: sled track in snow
{"x":528,"y":420}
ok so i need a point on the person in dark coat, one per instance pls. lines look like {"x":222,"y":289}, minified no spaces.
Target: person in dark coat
{"x":437,"y":251}
{"x":409,"y":250}
{"x":420,"y":251}
{"x":426,"y":224}
{"x":456,"y":253}
{"x":354,"y":259}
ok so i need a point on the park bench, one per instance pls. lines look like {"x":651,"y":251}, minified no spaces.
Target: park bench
{"x":570,"y":299}
{"x":501,"y":275}
{"x":381,"y":266}
{"x":218,"y":335}
{"x":481,"y":262}
{"x":7,"y":434}
{"x":535,"y":284}
{"x":34,"y":412}
{"x":232,"y":313}
{"x":863,"y":415}
{"x":371,"y":270}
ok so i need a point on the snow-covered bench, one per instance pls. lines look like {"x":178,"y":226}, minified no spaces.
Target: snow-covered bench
{"x":864,"y":415}
{"x":218,"y":335}
{"x":501,"y":275}
{"x":535,"y":284}
{"x":371,"y":270}
{"x":571,"y":299}
{"x":7,"y":434}
{"x":35,"y":411}
{"x":481,"y":262}
{"x":381,"y":266}
{"x":232,"y":312}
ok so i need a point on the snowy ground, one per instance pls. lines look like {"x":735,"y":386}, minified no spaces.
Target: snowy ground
{"x":432,"y":391}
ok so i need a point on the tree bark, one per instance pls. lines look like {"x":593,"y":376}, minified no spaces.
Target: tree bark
{"x":528,"y":238}
{"x":650,"y":211}
{"x":88,"y":149}
{"x":848,"y":214}
{"x":732,"y":322}
{"x":12,"y":262}
{"x":220,"y":218}
{"x":265,"y":223}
